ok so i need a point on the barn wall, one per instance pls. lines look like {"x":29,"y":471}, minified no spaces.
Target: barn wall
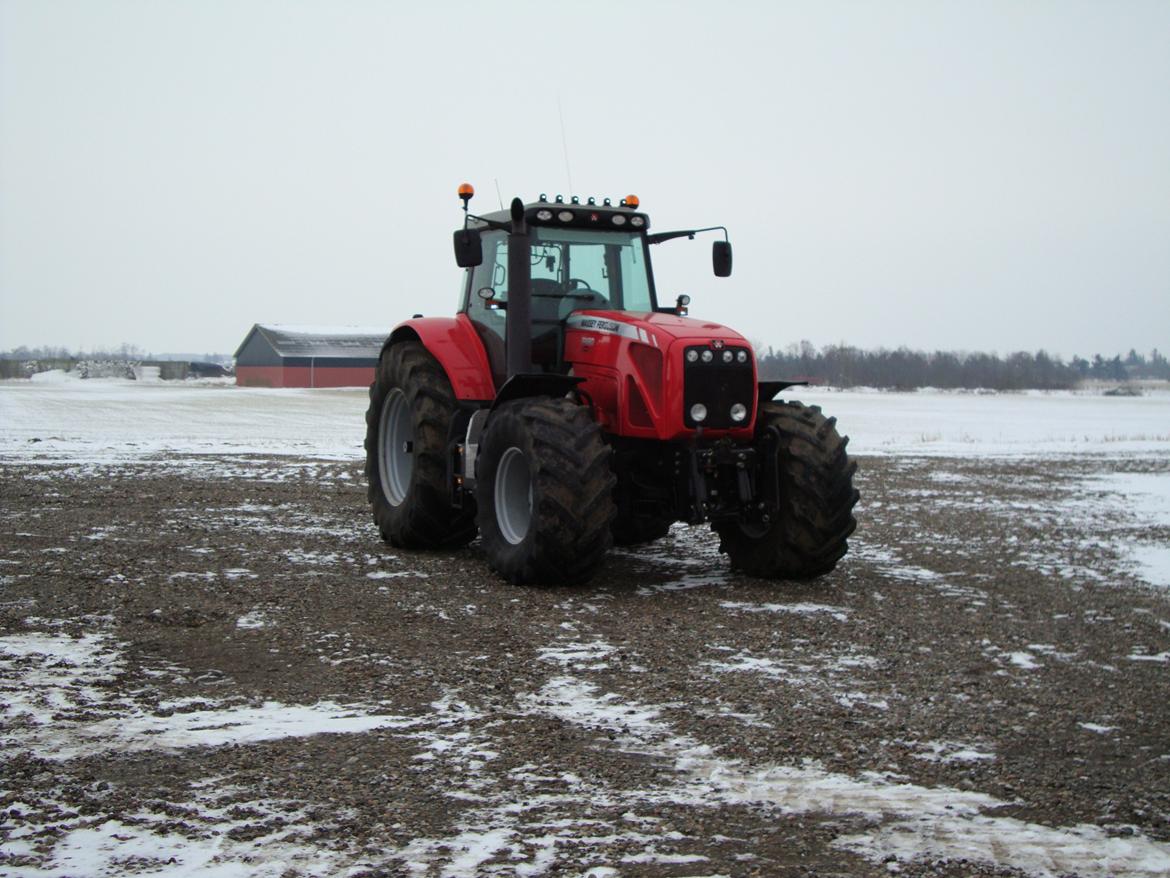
{"x":301,"y":376}
{"x":328,"y":376}
{"x":259,"y":376}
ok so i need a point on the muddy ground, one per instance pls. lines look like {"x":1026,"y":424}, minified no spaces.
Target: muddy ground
{"x":981,"y":688}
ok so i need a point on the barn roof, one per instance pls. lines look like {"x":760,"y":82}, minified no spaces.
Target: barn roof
{"x":320,"y":341}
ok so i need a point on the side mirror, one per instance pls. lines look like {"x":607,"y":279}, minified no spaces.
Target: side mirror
{"x":721,"y":258}
{"x":468,"y":248}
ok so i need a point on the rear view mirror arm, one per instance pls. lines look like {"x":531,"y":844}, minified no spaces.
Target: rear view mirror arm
{"x":491,"y":224}
{"x":684,"y":233}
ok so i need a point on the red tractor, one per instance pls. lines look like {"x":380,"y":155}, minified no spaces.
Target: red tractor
{"x":563,"y":410}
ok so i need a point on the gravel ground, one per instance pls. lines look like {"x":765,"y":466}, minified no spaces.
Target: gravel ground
{"x":214,"y":666}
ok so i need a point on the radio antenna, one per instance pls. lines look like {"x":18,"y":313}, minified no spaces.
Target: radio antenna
{"x":498,"y":195}
{"x":565,"y":144}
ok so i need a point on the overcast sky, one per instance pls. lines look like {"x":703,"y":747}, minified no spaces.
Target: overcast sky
{"x":974,"y":176}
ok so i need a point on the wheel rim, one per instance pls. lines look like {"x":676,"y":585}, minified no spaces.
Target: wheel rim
{"x":396,"y":447}
{"x":513,"y":496}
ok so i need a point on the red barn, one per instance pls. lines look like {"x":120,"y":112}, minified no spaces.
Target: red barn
{"x":309,"y":356}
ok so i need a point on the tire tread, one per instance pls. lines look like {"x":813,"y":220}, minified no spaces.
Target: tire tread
{"x":570,"y":528}
{"x":815,"y":517}
{"x":426,"y":519}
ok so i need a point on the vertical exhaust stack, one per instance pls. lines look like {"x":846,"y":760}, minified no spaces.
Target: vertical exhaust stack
{"x":519,"y":325}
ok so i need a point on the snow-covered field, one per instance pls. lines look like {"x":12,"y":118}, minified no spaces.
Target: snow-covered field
{"x":958,"y":424}
{"x":65,"y":419}
{"x":60,"y":418}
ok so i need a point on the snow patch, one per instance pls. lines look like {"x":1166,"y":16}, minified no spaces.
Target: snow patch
{"x":278,"y":832}
{"x":1024,"y":660}
{"x":951,"y":751}
{"x":801,"y":608}
{"x":395,"y":574}
{"x":580,"y":655}
{"x":255,"y":619}
{"x":1099,"y":729}
{"x":51,"y":682}
{"x":1122,"y":509}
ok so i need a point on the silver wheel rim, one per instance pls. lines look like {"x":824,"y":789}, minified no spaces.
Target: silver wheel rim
{"x":513,"y":496}
{"x":395,"y":447}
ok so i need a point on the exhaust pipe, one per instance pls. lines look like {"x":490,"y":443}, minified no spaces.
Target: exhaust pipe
{"x":519,"y":314}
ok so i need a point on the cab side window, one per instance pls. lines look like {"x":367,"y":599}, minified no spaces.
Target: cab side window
{"x":490,"y":323}
{"x":491,"y":274}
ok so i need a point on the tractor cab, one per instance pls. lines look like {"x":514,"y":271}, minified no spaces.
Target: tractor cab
{"x":531,"y":267}
{"x":579,"y":257}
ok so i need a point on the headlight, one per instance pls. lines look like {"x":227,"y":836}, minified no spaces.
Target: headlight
{"x":565,"y":216}
{"x":708,"y":356}
{"x":698,"y":412}
{"x":738,"y":412}
{"x":544,"y":215}
{"x":619,"y":220}
{"x":727,"y":356}
{"x":742,"y":356}
{"x":637,"y":222}
{"x":692,"y":356}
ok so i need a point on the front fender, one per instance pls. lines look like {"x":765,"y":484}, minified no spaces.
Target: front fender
{"x":454,"y":342}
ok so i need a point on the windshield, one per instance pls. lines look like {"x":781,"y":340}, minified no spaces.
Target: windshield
{"x":594,"y":269}
{"x":610,"y":264}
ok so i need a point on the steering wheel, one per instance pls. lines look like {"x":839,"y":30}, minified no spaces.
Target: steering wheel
{"x":578,"y":294}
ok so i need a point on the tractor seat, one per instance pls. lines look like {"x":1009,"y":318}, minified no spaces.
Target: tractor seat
{"x":545,"y":286}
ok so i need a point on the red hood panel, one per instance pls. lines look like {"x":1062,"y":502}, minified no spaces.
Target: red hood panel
{"x":666,"y":327}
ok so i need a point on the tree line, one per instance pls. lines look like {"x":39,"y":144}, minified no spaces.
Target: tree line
{"x":126,"y":352}
{"x":847,"y":366}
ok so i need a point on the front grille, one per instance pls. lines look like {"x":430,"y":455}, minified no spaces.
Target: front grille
{"x":718,"y":385}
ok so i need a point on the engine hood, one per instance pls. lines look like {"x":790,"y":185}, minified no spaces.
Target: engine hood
{"x":651,"y":327}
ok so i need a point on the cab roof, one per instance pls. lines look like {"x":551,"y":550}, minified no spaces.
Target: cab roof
{"x":573,"y":215}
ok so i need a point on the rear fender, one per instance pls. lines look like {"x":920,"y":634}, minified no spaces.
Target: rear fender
{"x":527,"y":385}
{"x":454,"y":343}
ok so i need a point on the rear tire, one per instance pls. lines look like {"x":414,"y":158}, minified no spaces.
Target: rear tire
{"x":544,"y":491}
{"x":407,"y":427}
{"x":808,"y":536}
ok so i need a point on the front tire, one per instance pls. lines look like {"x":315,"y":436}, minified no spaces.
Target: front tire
{"x":808,"y":536}
{"x":544,"y":491}
{"x":407,"y":427}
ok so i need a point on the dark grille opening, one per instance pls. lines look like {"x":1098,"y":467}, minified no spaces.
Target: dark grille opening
{"x":718,"y":385}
